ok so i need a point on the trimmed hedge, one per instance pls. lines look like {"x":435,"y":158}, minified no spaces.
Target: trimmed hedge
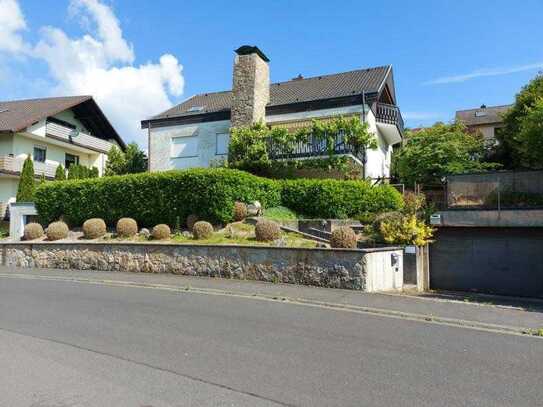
{"x":338,"y":199}
{"x":153,"y":198}
{"x":210,"y":194}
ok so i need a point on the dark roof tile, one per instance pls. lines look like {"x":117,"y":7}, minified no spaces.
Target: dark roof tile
{"x":17,"y":115}
{"x":293,"y":91}
{"x":482,"y":115}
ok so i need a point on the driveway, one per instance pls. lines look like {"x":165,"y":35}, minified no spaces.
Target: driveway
{"x":94,"y":342}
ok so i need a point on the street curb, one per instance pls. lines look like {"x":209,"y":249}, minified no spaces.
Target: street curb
{"x":425,"y":318}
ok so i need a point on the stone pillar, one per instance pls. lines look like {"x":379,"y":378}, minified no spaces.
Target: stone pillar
{"x":251,"y":87}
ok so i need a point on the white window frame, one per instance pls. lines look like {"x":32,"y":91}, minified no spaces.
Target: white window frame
{"x":217,"y":135}
{"x":172,"y":142}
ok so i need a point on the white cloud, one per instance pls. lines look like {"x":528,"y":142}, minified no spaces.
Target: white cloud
{"x":12,"y":22}
{"x":484,"y":72}
{"x":102,"y":64}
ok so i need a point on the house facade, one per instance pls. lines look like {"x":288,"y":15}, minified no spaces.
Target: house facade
{"x":486,"y":120}
{"x":53,"y":131}
{"x":195,"y":133}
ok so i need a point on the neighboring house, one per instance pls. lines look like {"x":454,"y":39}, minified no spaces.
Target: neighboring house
{"x":485,"y":120}
{"x":195,"y":133}
{"x":54,"y":131}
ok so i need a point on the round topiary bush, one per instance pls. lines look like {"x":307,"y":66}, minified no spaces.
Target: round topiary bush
{"x":202,"y":230}
{"x":191,"y":220}
{"x":267,"y":230}
{"x":240,"y":211}
{"x":33,"y":231}
{"x":127,"y":227}
{"x":94,"y":228}
{"x":57,"y":230}
{"x":161,"y":232}
{"x":343,"y":237}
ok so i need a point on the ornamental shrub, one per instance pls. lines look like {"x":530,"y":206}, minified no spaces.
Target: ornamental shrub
{"x":57,"y":230}
{"x":163,"y":197}
{"x":337,"y":199}
{"x":161,"y":232}
{"x":240,"y":211}
{"x":127,"y":227}
{"x":33,"y":231}
{"x":267,"y":230}
{"x":60,"y":173}
{"x":343,"y":237}
{"x":94,"y":228}
{"x":202,"y":230}
{"x":25,"y":190}
{"x":153,"y":198}
{"x":406,"y":230}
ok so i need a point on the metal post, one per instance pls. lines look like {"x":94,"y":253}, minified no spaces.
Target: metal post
{"x":149,"y":146}
{"x":499,"y":197}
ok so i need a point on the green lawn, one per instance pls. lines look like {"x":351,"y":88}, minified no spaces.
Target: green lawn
{"x":280,"y":213}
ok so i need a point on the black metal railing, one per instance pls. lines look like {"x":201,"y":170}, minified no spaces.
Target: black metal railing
{"x":389,"y":114}
{"x":314,"y":147}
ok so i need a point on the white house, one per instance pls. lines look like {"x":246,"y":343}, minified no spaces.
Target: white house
{"x":53,"y":131}
{"x":195,"y":133}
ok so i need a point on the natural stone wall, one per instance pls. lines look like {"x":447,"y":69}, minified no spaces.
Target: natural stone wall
{"x":317,"y":267}
{"x":250,"y":90}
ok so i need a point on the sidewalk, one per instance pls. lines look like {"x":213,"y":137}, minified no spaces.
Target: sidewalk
{"x":475,"y":310}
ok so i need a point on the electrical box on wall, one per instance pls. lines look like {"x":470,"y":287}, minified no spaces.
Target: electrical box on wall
{"x":435,"y":219}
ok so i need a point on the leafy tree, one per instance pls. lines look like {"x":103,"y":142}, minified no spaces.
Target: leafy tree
{"x":520,"y":135}
{"x":116,"y":162}
{"x":530,"y":136}
{"x":135,"y":159}
{"x":431,"y":153}
{"x":60,"y":173}
{"x":129,"y":162}
{"x":25,"y":191}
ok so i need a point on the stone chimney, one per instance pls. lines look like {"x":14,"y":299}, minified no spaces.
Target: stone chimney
{"x":251,"y":86}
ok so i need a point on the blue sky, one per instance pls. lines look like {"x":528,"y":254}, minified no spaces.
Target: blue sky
{"x":446,"y":55}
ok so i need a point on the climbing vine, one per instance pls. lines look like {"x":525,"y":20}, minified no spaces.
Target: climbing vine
{"x":248,"y":148}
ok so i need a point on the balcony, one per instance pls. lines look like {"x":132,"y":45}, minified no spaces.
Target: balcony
{"x":14,"y":166}
{"x":63,"y":132}
{"x":389,"y":121}
{"x":315,"y":148}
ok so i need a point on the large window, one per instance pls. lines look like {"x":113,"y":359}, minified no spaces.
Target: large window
{"x":70,"y":159}
{"x":222,"y":143}
{"x":184,"y":147}
{"x":40,"y":154}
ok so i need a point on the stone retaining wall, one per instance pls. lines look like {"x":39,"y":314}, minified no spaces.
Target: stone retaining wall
{"x":366,"y":270}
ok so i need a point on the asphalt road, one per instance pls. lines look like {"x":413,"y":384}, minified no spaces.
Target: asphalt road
{"x":76,"y":344}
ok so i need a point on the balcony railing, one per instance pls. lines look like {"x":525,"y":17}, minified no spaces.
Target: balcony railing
{"x":67,"y":134}
{"x":14,"y":165}
{"x":389,"y":114}
{"x":495,"y":190}
{"x":303,"y":149}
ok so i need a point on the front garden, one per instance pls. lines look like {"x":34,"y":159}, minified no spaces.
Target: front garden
{"x":210,"y":206}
